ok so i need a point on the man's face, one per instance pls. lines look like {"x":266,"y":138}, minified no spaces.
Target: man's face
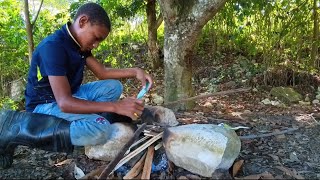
{"x":91,"y":35}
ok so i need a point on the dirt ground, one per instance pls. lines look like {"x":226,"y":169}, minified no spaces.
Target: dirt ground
{"x":292,"y":155}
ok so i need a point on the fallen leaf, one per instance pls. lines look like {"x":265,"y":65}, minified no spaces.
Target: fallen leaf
{"x":67,"y":161}
{"x":236,"y":167}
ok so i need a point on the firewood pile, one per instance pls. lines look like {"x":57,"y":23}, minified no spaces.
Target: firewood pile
{"x":142,"y":168}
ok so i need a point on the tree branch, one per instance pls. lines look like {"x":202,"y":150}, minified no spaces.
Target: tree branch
{"x":267,"y":135}
{"x":208,"y":95}
{"x":36,"y":17}
{"x":159,"y":20}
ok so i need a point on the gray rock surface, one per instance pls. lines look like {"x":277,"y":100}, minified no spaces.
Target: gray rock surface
{"x":201,"y":148}
{"x":121,"y":134}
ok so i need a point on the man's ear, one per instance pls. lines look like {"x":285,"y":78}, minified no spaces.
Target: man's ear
{"x":83,"y":20}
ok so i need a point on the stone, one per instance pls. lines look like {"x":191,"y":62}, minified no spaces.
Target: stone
{"x":121,"y":134}
{"x":201,"y":148}
{"x":158,"y":100}
{"x":286,"y":94}
{"x":159,"y":115}
{"x":17,"y":89}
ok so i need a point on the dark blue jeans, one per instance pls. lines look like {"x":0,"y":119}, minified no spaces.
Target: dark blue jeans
{"x":88,"y":129}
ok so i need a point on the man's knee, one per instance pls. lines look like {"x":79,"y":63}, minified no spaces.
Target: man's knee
{"x":90,"y":132}
{"x":115,"y":86}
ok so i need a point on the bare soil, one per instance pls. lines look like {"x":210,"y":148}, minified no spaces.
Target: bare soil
{"x":293,"y":155}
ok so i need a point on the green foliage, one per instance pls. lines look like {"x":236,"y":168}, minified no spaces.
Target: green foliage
{"x":258,"y":34}
{"x":270,"y":32}
{"x":13,"y":44}
{"x":7,"y":103}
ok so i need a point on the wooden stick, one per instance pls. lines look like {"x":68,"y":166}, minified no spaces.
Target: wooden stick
{"x":208,"y":95}
{"x":138,"y":150}
{"x":148,"y":163}
{"x":105,"y":173}
{"x":94,"y":174}
{"x":136,"y":169}
{"x":139,"y":141}
{"x":267,"y":135}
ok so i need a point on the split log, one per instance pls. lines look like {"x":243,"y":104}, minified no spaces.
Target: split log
{"x":136,"y":169}
{"x":148,"y":163}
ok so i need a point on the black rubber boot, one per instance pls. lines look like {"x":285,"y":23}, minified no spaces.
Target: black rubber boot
{"x":113,"y":118}
{"x":146,"y":116}
{"x":33,"y":130}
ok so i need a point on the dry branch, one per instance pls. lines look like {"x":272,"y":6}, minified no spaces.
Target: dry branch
{"x":268,"y":135}
{"x":208,"y":95}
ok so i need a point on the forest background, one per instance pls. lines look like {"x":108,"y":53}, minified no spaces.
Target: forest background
{"x":248,"y":42}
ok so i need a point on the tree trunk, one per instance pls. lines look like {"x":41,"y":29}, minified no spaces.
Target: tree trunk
{"x":314,"y":50}
{"x":28,"y":29}
{"x":29,"y":26}
{"x":183,"y":22}
{"x":153,"y":51}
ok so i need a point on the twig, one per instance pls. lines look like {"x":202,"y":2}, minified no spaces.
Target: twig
{"x":208,"y":95}
{"x":267,"y":135}
{"x":105,"y":173}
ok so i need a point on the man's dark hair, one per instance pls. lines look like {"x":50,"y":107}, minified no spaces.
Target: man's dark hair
{"x":97,"y":15}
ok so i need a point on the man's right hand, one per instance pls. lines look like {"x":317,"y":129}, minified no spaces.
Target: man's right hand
{"x":130,"y":107}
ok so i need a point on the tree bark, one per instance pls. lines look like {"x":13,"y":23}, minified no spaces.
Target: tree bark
{"x":314,"y":50}
{"x":183,"y":22}
{"x":28,"y":29}
{"x":153,"y":55}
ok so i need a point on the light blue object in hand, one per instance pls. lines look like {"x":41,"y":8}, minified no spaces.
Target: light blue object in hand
{"x":143,"y":91}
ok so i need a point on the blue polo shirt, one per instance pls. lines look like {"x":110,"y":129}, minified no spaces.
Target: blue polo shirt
{"x":56,"y":55}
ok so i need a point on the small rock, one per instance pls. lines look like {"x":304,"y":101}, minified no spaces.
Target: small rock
{"x":293,"y":157}
{"x":146,"y":100}
{"x":280,"y":137}
{"x":316,"y":101}
{"x":208,"y":104}
{"x":182,"y":177}
{"x":158,"y":100}
{"x":266,"y":101}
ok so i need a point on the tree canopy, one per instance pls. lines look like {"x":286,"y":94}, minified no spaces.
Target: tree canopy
{"x":265,"y":34}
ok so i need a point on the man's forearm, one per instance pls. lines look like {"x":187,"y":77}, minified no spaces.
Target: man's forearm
{"x":119,"y":73}
{"x":79,"y":106}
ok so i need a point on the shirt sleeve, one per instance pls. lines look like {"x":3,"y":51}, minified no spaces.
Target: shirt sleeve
{"x":54,"y":59}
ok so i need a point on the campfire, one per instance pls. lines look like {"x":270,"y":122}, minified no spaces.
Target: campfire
{"x":199,"y":148}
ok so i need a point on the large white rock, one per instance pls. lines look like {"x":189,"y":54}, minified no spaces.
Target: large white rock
{"x":121,"y":133}
{"x":201,"y":148}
